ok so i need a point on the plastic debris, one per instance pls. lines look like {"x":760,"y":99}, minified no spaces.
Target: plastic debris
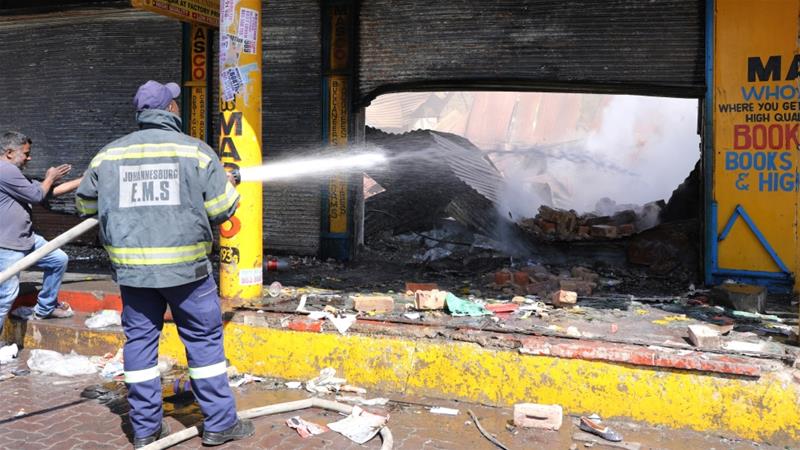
{"x":275,"y":289}
{"x":460,"y":307}
{"x":244,"y":379}
{"x":412,"y":315}
{"x":360,"y":426}
{"x":445,"y":411}
{"x":305,"y":428}
{"x":104,"y":318}
{"x":326,"y":382}
{"x":8,"y":353}
{"x":294,"y":384}
{"x":378,"y":401}
{"x":48,"y":361}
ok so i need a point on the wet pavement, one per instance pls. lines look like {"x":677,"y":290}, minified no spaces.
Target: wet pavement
{"x":40,"y":411}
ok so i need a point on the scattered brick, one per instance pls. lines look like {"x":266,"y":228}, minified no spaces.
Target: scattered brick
{"x":433,"y":299}
{"x":414,"y":287}
{"x":521,"y":278}
{"x":584,"y":274}
{"x":533,"y":415}
{"x":704,"y":336}
{"x":502,"y":277}
{"x":582,"y":287}
{"x":603,"y":231}
{"x":626,"y":229}
{"x":564,"y":298}
{"x":373,"y":303}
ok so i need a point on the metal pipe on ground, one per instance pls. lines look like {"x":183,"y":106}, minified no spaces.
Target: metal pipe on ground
{"x":278,"y":408}
{"x":41,"y":252}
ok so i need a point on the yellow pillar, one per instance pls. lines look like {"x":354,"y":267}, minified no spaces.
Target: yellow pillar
{"x":241,"y":246}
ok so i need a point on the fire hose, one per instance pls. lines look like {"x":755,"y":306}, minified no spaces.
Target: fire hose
{"x":278,"y":408}
{"x":188,"y":433}
{"x":42,"y":251}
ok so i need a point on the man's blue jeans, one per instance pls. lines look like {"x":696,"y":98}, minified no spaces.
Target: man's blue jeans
{"x":54,"y":266}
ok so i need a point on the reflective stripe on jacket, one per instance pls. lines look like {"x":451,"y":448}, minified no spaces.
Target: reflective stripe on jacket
{"x":157,"y":192}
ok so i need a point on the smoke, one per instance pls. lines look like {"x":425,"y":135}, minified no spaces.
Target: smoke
{"x":642,"y":150}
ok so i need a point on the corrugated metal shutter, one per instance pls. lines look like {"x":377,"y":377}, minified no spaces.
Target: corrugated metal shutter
{"x":616,"y":46}
{"x":69,"y":79}
{"x":292,"y":121}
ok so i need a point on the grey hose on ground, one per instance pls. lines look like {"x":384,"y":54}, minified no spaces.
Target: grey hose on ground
{"x":278,"y":408}
{"x":40,"y":253}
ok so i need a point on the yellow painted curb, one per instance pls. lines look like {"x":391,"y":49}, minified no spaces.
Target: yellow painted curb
{"x":761,"y":409}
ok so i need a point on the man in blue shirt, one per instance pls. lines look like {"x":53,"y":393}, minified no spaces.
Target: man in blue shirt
{"x":17,"y":238}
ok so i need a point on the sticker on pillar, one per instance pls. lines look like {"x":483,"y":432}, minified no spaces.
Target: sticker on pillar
{"x":248,"y":29}
{"x":231,"y":83}
{"x":249,"y":277}
{"x":226,"y":12}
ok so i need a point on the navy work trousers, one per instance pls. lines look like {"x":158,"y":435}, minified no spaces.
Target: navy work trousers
{"x":196,"y":312}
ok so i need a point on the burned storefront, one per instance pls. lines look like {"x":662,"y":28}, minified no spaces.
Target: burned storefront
{"x":532,"y":193}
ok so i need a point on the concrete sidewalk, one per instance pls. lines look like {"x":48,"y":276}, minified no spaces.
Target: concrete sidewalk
{"x":47,"y":412}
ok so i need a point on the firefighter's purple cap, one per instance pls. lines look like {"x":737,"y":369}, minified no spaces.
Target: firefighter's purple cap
{"x":154,"y":95}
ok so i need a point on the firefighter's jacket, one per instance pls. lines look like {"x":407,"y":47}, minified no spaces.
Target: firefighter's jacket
{"x":157,"y":192}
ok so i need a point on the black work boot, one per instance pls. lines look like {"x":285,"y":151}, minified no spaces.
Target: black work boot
{"x":161,"y":433}
{"x":240,"y":430}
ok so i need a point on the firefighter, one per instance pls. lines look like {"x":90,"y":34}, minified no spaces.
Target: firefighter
{"x":157,"y":192}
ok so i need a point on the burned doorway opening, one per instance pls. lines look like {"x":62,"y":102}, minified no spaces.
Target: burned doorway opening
{"x":554,"y":184}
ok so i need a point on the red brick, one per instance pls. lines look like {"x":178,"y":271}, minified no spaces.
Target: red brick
{"x":521,"y":278}
{"x":433,"y":299}
{"x":373,"y":303}
{"x":626,"y":229}
{"x":582,"y":287}
{"x":533,"y":415}
{"x":603,"y":231}
{"x":547,"y":227}
{"x":414,"y":287}
{"x":502,"y":277}
{"x":564,"y":298}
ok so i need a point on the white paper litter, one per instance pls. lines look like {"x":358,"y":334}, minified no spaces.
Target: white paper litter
{"x":294,"y":384}
{"x":48,"y":361}
{"x":360,"y":426}
{"x":445,"y":411}
{"x":8,"y":353}
{"x":412,"y":315}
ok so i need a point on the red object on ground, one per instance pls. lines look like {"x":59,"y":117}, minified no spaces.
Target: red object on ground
{"x":314,"y":326}
{"x":502,"y":277}
{"x":414,"y":287}
{"x":521,"y":278}
{"x":502,"y":307}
